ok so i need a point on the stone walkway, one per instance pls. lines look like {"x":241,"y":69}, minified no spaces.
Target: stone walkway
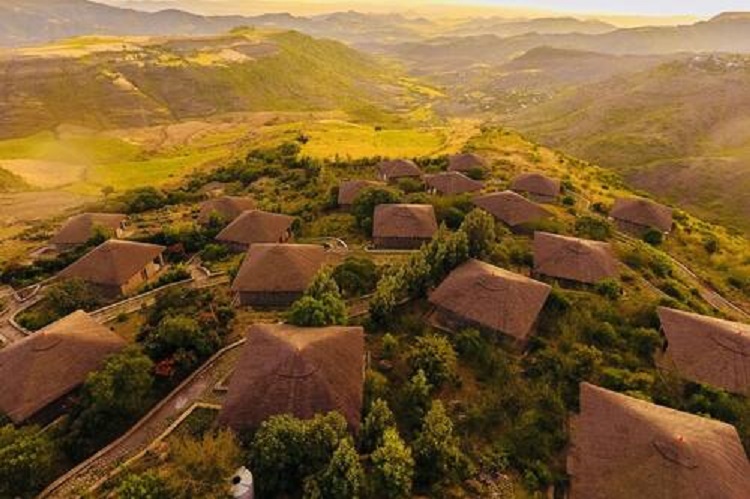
{"x":197,"y":388}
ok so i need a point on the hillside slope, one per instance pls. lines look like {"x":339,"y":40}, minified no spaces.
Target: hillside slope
{"x":105,"y":83}
{"x":10,"y":182}
{"x":681,"y":130}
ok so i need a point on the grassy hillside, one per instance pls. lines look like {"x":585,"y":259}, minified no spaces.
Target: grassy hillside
{"x":10,"y":182}
{"x":681,"y":131}
{"x":104,"y":83}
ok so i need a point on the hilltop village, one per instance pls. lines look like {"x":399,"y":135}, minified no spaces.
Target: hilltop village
{"x":503,"y":322}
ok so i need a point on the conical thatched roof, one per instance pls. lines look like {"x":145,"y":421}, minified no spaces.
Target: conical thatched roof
{"x":279,"y":268}
{"x":465,"y":162}
{"x":399,"y":168}
{"x":113,"y":262}
{"x":452,"y":183}
{"x":536,"y":183}
{"x":404,"y":220}
{"x":493,"y":298}
{"x":350,"y":189}
{"x":707,"y":350}
{"x":80,"y":228}
{"x":50,"y":363}
{"x":256,"y":226}
{"x":228,"y":207}
{"x":573,"y":259}
{"x":299,"y":371}
{"x":643,"y":212}
{"x":625,"y":448}
{"x":511,"y":208}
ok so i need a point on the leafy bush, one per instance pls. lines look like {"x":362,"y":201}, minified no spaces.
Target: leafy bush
{"x":392,"y":468}
{"x":654,"y":237}
{"x":434,"y":355}
{"x":321,"y":304}
{"x":364,"y":205}
{"x":595,"y":228}
{"x":28,"y":458}
{"x":436,"y":448}
{"x":356,"y":276}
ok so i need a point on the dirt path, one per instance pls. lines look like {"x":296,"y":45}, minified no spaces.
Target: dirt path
{"x":199,"y":387}
{"x":709,"y":295}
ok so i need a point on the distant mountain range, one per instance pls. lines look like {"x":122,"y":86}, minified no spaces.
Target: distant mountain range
{"x":680,"y":130}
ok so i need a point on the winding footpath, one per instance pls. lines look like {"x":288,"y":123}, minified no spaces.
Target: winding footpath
{"x":198,"y":387}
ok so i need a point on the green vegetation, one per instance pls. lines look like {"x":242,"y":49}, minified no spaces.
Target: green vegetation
{"x":28,"y":460}
{"x":321,"y":304}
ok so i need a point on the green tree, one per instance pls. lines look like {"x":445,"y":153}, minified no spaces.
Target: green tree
{"x":417,"y":398}
{"x":654,"y":237}
{"x":378,"y":419}
{"x":357,"y":276}
{"x":343,"y":477}
{"x":285,"y":451}
{"x":479,"y":227}
{"x":434,"y":355}
{"x":143,"y":199}
{"x":122,"y":385}
{"x":181,"y":334}
{"x":69,"y":295}
{"x":146,"y":485}
{"x":609,"y":288}
{"x":28,"y":459}
{"x":321,"y":305}
{"x":436,"y":448}
{"x":392,"y":468}
{"x":364,"y":205}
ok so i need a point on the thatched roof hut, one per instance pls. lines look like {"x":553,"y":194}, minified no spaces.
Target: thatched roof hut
{"x":537,"y":185}
{"x":706,"y":349}
{"x":466,"y":162}
{"x":403,"y":225}
{"x":80,"y":228}
{"x":350,"y":189}
{"x":299,"y":371}
{"x":389,"y":171}
{"x":256,"y":226}
{"x":623,"y":448}
{"x":512,"y":209}
{"x":641,"y":214}
{"x":573,"y":259}
{"x":277,"y":274}
{"x":482,"y":295}
{"x":452,"y":183}
{"x":46,"y":366}
{"x":227,"y":207}
{"x":115,"y":264}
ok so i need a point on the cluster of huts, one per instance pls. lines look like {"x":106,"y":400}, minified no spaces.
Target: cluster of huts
{"x":621,"y":447}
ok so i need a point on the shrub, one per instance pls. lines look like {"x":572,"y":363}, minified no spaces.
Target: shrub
{"x":321,"y":305}
{"x":436,"y":448}
{"x":479,"y":227}
{"x":343,"y":478}
{"x":379,"y":418}
{"x":596,"y":228}
{"x":392,"y":468}
{"x":146,"y":485}
{"x":654,"y":237}
{"x":435,"y":356}
{"x":143,"y":199}
{"x":609,"y":288}
{"x":28,"y":459}
{"x":356,"y":276}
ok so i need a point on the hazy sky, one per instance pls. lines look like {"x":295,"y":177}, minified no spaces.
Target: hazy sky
{"x":650,"y":7}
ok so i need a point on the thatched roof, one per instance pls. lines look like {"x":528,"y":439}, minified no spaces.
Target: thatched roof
{"x":536,"y":183}
{"x":80,"y":228}
{"x":256,"y":226}
{"x":398,"y":168}
{"x":404,"y":220}
{"x":465,"y":162}
{"x":572,"y":258}
{"x":228,"y":207}
{"x":52,"y":362}
{"x":279,"y":268}
{"x":707,"y":350}
{"x":625,"y":448}
{"x":113,"y":262}
{"x":493,"y":298}
{"x":299,"y":371}
{"x":350,"y":189}
{"x":643,"y":212}
{"x":511,"y":208}
{"x":453,"y":183}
